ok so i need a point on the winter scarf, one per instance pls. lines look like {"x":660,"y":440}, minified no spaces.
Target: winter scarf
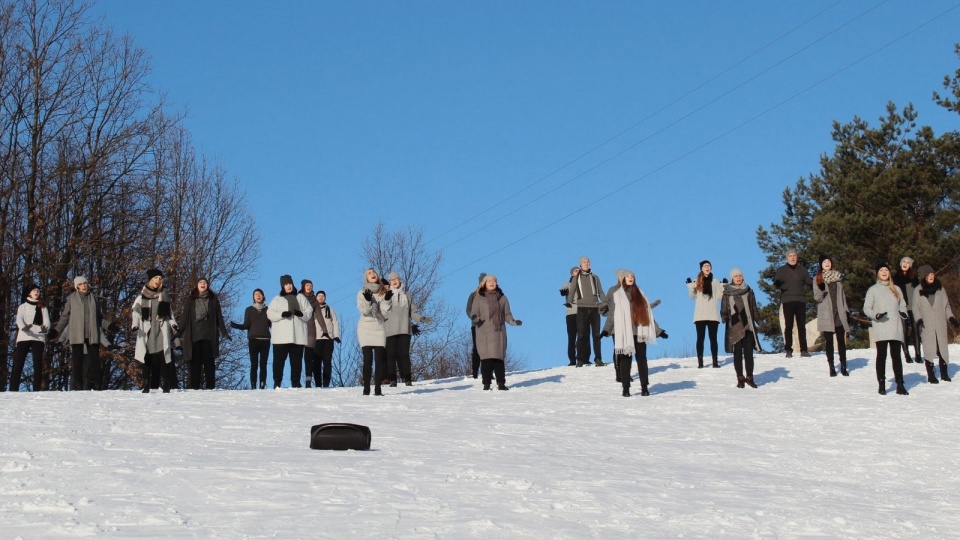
{"x":623,"y":325}
{"x":324,"y":311}
{"x":399,"y":299}
{"x":832,"y":276}
{"x":153,"y":298}
{"x":202,"y":306}
{"x":259,"y":307}
{"x":91,"y":331}
{"x":37,"y":312}
{"x":740,"y":321}
{"x":292,"y":303}
{"x":929,"y":289}
{"x":493,"y":310}
{"x":707,"y":284}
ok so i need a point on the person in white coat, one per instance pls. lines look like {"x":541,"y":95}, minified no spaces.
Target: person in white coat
{"x":154,"y":323}
{"x":33,"y":322}
{"x":706,"y":292}
{"x":932,"y":312}
{"x":885,"y":306}
{"x":373,"y":303}
{"x":289,"y":312}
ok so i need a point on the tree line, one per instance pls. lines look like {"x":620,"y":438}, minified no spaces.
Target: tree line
{"x":888,"y":191}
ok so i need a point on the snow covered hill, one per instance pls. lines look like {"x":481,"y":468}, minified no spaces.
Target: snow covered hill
{"x":560,"y":455}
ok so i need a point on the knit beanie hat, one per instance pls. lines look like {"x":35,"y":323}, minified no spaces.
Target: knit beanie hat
{"x":392,"y":275}
{"x":303,"y":283}
{"x":487,"y":277}
{"x":735,"y":272}
{"x":906,"y":259}
{"x":703,"y":262}
{"x":881,"y":265}
{"x":29,"y":288}
{"x":284,"y":279}
{"x":583,"y":259}
{"x":324,"y":293}
{"x":152,"y":273}
{"x":77,"y":281}
{"x":824,"y":258}
{"x":924,"y":271}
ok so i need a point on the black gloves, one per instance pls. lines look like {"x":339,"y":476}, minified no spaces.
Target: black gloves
{"x":822,"y":286}
{"x":388,"y":295}
{"x":689,"y":280}
{"x":298,"y":313}
{"x":655,"y":303}
{"x":414,"y":329}
{"x":518,"y":322}
{"x":286,"y":314}
{"x":325,"y":335}
{"x":563,"y":293}
{"x":145,"y":313}
{"x":478,"y":322}
{"x":724,"y":281}
{"x":568,"y":304}
{"x":52,"y":334}
{"x":954,"y":322}
{"x":604,"y":309}
{"x":903,"y":316}
{"x":604,"y":334}
{"x":236,"y":326}
{"x":881,"y":315}
{"x":26,"y":327}
{"x":919,"y":325}
{"x":336,"y":339}
{"x":113,"y":327}
{"x":43,"y":329}
{"x":663,"y":334}
{"x":368,"y":295}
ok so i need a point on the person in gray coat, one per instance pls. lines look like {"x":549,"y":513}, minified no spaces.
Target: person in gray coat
{"x":86,"y":331}
{"x":738,"y":310}
{"x":794,"y":281}
{"x":398,"y":330}
{"x":587,"y":294}
{"x":490,"y":312}
{"x":884,"y":305}
{"x":832,"y":312}
{"x":932,"y":311}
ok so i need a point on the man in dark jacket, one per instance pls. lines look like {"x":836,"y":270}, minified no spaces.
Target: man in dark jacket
{"x":794,"y":283}
{"x":587,"y":294}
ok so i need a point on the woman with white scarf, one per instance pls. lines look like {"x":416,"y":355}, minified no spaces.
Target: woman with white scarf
{"x":630,"y":322}
{"x":398,"y":330}
{"x":831,"y":312}
{"x":154,"y":324}
{"x":739,"y":313}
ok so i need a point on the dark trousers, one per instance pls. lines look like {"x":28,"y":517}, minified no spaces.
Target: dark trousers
{"x":910,"y":335}
{"x":743,"y":354}
{"x":85,"y":367}
{"x":155,"y":368}
{"x":309,"y":361}
{"x":323,"y":362}
{"x":588,"y":325}
{"x":841,"y":346}
{"x":794,"y":313}
{"x":398,"y":357}
{"x":259,"y":351}
{"x":373,"y":356}
{"x":280,"y":354}
{"x":35,"y":348}
{"x":475,"y":356}
{"x":491,"y":366}
{"x":704,"y":328}
{"x":894,"y":347}
{"x":572,"y":338}
{"x":201,"y":370}
{"x":624,"y":364}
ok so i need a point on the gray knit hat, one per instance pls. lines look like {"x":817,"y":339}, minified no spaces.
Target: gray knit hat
{"x":79,"y":280}
{"x":392,"y":275}
{"x":924,"y":271}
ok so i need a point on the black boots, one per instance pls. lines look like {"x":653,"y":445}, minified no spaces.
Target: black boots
{"x":699,"y":362}
{"x":749,"y":382}
{"x":626,"y":392}
{"x":883,"y":388}
{"x":715,"y":363}
{"x":644,"y":391}
{"x":599,"y":363}
{"x":740,"y":381}
{"x":931,"y":377}
{"x":502,"y":387}
{"x":486,"y":387}
{"x":901,"y":391}
{"x":833,"y":370}
{"x":943,"y":372}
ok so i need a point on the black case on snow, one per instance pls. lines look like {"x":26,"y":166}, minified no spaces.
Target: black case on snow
{"x":335,"y":436}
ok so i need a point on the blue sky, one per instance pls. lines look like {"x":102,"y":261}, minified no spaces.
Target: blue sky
{"x":522,"y":135}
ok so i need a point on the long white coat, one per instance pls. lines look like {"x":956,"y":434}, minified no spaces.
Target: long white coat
{"x":880,"y":299}
{"x":373,"y":314}
{"x":935,"y":317}
{"x":292,"y":331}
{"x":143,"y":329}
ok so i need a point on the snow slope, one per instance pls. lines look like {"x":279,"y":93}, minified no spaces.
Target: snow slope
{"x":561,"y":455}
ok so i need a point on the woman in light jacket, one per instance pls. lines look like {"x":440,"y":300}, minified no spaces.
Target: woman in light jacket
{"x":33,"y":322}
{"x":373,"y":303}
{"x":289,"y":312}
{"x":490,"y":312}
{"x":706,"y":292}
{"x":884,"y":305}
{"x":152,"y":320}
{"x":831,"y":312}
{"x":932,"y":311}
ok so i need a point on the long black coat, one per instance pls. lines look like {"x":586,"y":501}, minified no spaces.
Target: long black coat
{"x":188,"y":319}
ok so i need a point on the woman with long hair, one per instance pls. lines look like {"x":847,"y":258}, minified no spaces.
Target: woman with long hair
{"x":831,"y":312}
{"x":884,"y":305}
{"x":630,"y":322}
{"x":907,"y":280}
{"x":373,"y":303}
{"x":202,"y":327}
{"x":706,"y":292}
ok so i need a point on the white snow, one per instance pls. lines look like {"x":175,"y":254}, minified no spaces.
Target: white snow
{"x":560,"y":455}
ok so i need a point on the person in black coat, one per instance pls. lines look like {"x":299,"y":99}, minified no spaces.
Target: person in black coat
{"x":257,"y":325}
{"x":201,"y":326}
{"x":794,"y":282}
